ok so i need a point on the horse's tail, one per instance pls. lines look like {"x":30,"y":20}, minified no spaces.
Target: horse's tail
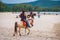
{"x":15,"y":29}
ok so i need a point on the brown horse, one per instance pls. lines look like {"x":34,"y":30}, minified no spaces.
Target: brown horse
{"x":19,"y":26}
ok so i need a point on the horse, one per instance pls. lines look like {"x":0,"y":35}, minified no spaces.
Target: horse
{"x":20,"y":25}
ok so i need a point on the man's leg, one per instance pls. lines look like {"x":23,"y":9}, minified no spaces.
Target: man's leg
{"x":27,"y":23}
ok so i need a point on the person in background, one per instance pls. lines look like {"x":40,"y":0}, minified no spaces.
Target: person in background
{"x":38,"y":14}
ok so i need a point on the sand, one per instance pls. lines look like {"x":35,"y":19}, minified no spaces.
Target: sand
{"x":47,"y":27}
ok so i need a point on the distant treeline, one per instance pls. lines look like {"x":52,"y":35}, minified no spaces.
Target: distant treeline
{"x":27,"y":7}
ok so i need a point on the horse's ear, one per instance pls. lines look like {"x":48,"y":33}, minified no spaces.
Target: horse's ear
{"x":34,"y":14}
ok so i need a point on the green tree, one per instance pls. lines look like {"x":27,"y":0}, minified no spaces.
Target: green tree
{"x":19,"y":7}
{"x":3,"y":7}
{"x":37,"y":8}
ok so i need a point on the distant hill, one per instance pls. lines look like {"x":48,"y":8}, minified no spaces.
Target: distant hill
{"x":42,"y":3}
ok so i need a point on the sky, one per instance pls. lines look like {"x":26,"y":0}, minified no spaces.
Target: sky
{"x":21,"y":1}
{"x":17,"y":1}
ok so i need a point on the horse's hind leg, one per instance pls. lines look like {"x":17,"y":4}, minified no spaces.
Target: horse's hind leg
{"x":19,"y":32}
{"x":14,"y":33}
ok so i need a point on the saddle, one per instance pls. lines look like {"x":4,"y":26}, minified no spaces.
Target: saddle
{"x":24,"y":23}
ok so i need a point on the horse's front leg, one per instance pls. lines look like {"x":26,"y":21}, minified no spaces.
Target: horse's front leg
{"x":28,"y":31}
{"x":31,"y":22}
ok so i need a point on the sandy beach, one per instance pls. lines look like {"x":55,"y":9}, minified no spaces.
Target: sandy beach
{"x":47,"y":27}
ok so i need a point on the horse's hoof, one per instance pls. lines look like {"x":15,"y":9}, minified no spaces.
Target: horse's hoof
{"x":19,"y":34}
{"x":13,"y":34}
{"x":32,"y":24}
{"x":27,"y":33}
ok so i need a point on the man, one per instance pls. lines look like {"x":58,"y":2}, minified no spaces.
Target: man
{"x":23,"y":18}
{"x":38,"y":14}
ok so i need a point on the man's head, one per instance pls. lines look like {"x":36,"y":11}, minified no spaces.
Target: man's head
{"x":23,"y":10}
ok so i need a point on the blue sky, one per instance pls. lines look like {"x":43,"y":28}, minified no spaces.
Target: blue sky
{"x":21,"y":1}
{"x":17,"y":1}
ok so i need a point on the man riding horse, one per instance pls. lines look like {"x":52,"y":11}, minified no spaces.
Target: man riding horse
{"x":25,"y":24}
{"x":23,"y":18}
